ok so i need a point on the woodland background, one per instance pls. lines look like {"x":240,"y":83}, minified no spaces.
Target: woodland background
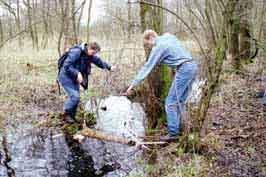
{"x":226,"y":132}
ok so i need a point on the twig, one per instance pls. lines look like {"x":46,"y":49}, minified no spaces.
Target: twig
{"x":27,"y":28}
{"x":101,"y":136}
{"x":180,"y":18}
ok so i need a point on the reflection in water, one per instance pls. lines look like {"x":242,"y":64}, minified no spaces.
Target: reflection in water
{"x":38,"y":154}
{"x":5,"y":158}
{"x":41,"y":153}
{"x":80,"y":163}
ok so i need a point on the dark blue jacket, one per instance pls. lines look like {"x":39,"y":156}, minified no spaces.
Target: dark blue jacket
{"x":79,"y":61}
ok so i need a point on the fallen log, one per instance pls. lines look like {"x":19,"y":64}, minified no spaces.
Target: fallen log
{"x":87,"y":132}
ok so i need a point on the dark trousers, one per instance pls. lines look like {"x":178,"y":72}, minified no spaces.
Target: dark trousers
{"x":72,"y":90}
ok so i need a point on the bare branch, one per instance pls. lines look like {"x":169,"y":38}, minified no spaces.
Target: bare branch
{"x":10,"y":9}
{"x":181,"y":19}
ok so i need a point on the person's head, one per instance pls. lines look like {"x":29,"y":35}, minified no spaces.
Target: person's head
{"x":93,"y":48}
{"x":149,"y":37}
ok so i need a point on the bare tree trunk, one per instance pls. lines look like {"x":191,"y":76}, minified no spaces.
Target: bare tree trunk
{"x":159,"y":80}
{"x":73,"y":20}
{"x":49,"y":19}
{"x":29,"y":16}
{"x":1,"y":31}
{"x":69,"y":33}
{"x":262,"y":24}
{"x":15,"y":12}
{"x":80,"y":15}
{"x":10,"y":31}
{"x":129,"y":17}
{"x":18,"y":22}
{"x":234,"y":26}
{"x":214,"y":69}
{"x":245,"y":30}
{"x":35,"y":27}
{"x":179,"y":12}
{"x":89,"y":20}
{"x":62,"y":12}
{"x":65,"y":24}
{"x":262,"y":37}
{"x":45,"y":24}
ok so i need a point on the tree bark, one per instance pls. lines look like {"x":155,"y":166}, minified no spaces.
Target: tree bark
{"x":1,"y":32}
{"x":80,"y":16}
{"x":245,"y":30}
{"x":179,"y":11}
{"x":16,"y":15}
{"x":129,"y":18}
{"x":89,"y":20}
{"x":157,"y":85}
{"x":50,"y":7}
{"x":65,"y":26}
{"x":62,"y":13}
{"x":45,"y":24}
{"x":234,"y":26}
{"x":35,"y":26}
{"x":214,"y":70}
{"x":10,"y":26}
{"x":73,"y":21}
{"x":18,"y":22}
{"x":262,"y":37}
{"x":30,"y":27}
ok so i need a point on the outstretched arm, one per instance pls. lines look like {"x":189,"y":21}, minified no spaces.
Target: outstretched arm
{"x":153,"y":60}
{"x":101,"y":64}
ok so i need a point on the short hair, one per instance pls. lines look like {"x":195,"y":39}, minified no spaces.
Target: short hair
{"x":149,"y":33}
{"x":94,"y":46}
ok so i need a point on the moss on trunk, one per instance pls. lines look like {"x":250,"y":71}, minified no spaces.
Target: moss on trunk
{"x":212,"y":84}
{"x":158,"y":82}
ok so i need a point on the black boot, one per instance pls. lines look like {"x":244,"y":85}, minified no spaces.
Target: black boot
{"x":169,"y":138}
{"x":68,"y":119}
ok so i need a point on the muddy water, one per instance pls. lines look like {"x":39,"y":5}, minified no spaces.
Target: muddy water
{"x":32,"y":152}
{"x":36,"y":153}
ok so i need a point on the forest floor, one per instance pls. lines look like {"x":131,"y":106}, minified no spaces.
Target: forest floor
{"x":238,"y":131}
{"x":239,"y":120}
{"x":28,"y":92}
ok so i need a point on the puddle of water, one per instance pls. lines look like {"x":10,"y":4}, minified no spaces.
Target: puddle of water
{"x":36,"y":153}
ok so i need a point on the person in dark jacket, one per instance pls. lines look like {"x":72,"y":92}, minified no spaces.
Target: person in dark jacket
{"x":74,"y":73}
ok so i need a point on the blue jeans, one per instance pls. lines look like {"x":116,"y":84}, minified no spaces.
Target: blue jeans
{"x":72,"y":90}
{"x":176,"y":100}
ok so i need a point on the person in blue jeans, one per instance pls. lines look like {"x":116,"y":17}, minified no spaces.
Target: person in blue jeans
{"x":167,"y":49}
{"x":75,"y":71}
